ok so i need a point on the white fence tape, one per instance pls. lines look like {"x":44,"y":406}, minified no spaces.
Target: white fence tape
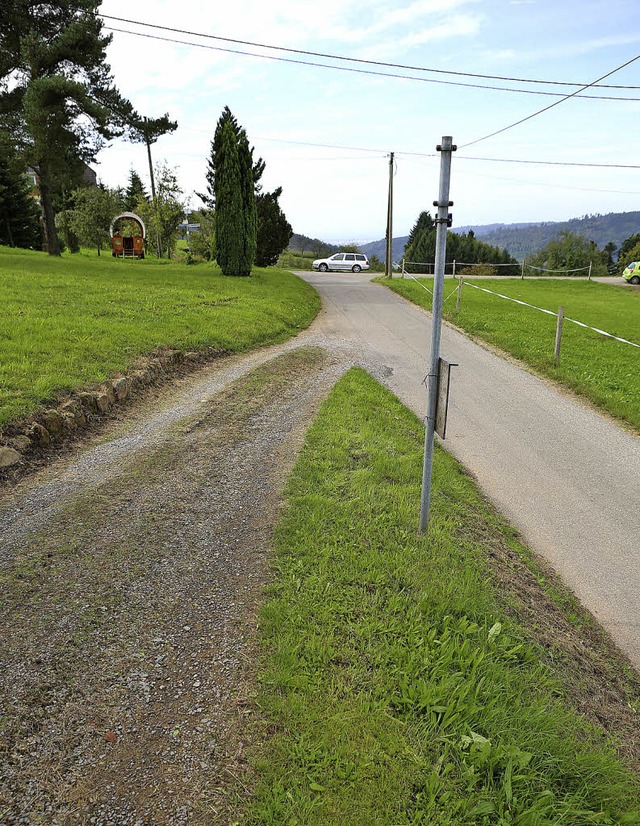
{"x":419,"y":283}
{"x":490,"y":264}
{"x":550,"y":312}
{"x":542,"y":269}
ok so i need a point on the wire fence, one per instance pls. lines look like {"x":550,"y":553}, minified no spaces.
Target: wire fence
{"x":559,"y":315}
{"x":453,"y":268}
{"x":550,"y":312}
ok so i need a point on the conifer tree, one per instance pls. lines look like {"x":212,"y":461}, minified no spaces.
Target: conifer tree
{"x":234,"y":197}
{"x":135,"y":191}
{"x":229,"y":225}
{"x":18,"y":210}
{"x":274,"y":231}
{"x":208,"y":198}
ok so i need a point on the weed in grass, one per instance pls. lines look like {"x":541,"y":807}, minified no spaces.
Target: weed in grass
{"x":395,"y":689}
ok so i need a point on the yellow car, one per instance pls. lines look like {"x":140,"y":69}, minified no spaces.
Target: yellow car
{"x":632,"y":273}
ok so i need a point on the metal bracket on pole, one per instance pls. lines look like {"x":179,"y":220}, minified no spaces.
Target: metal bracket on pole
{"x":442,"y":221}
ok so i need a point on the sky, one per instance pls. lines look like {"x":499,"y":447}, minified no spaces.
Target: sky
{"x":326,"y":133}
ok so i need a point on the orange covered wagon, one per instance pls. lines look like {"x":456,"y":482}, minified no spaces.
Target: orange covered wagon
{"x":127,"y":236}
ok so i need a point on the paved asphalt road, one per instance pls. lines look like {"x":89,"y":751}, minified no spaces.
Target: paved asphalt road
{"x":568,"y":478}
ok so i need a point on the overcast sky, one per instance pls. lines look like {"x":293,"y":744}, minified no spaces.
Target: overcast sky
{"x":326,"y":134}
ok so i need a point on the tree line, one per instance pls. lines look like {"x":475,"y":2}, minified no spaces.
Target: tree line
{"x":420,"y":249}
{"x":567,"y":251}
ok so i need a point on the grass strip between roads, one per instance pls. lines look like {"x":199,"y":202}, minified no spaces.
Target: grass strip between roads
{"x":601,"y":369}
{"x":395,"y":688}
{"x":69,"y":322}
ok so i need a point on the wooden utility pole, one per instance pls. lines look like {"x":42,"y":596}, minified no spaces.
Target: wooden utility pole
{"x":147,"y":140}
{"x":388,"y":266}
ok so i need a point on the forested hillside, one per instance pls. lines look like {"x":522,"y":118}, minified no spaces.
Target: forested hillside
{"x":520,"y":240}
{"x":525,"y":239}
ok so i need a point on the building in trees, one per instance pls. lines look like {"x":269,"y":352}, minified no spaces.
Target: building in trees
{"x":19,"y":226}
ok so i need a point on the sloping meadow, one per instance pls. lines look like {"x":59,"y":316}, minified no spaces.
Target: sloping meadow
{"x":70,"y":322}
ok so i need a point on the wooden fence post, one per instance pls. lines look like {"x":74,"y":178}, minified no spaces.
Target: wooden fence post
{"x":556,"y":359}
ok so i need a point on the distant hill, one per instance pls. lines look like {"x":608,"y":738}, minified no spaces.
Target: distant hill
{"x":524,"y":239}
{"x":303,"y":243}
{"x":379,"y":248}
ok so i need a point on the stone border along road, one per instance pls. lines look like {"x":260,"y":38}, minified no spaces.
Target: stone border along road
{"x":143,"y":558}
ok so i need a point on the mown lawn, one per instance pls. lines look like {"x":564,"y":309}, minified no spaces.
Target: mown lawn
{"x":603,"y":370}
{"x":69,"y":322}
{"x":395,"y":689}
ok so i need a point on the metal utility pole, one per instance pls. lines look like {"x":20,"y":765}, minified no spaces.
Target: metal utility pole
{"x":442,"y":222}
{"x":388,"y":266}
{"x":147,"y":140}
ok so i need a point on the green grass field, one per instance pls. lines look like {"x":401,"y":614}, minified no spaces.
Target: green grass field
{"x":603,"y":370}
{"x":68,"y":322}
{"x":395,"y":688}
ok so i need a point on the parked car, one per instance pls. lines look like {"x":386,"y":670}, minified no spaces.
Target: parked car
{"x":632,"y":273}
{"x":353,"y":261}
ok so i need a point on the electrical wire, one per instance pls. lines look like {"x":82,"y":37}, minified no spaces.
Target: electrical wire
{"x":110,"y":28}
{"x":353,"y":59}
{"x":549,"y":163}
{"x":381,"y":153}
{"x":551,"y":105}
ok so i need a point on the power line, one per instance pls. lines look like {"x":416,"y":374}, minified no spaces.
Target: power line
{"x":354,"y":59}
{"x":551,"y":105}
{"x":384,"y":153}
{"x":352,"y":70}
{"x":548,"y":163}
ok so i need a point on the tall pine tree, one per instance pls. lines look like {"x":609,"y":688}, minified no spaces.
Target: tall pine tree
{"x":228,"y":195}
{"x":18,"y":210}
{"x":208,"y":198}
{"x":60,"y":104}
{"x":135,"y":191}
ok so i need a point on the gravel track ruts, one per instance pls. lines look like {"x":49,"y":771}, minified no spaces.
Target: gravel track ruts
{"x":131,"y":576}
